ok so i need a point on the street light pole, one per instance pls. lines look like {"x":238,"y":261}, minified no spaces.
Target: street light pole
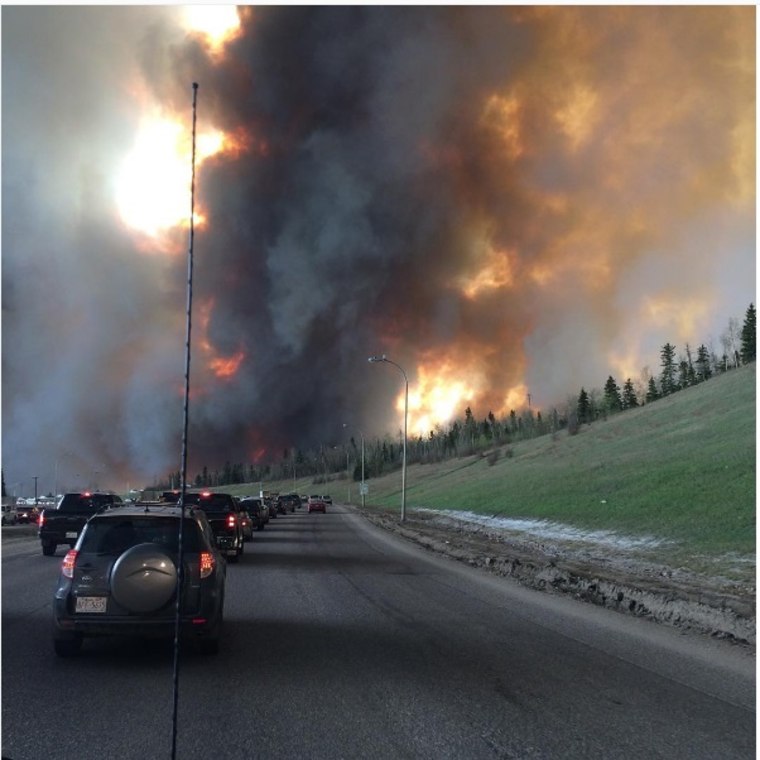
{"x":384,"y":358}
{"x":363,"y":486}
{"x":348,"y":477}
{"x":361,"y":435}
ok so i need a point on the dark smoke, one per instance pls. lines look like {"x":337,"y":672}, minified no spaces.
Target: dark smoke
{"x":606,"y":154}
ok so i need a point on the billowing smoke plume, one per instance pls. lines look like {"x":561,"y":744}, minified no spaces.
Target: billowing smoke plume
{"x":503,"y":200}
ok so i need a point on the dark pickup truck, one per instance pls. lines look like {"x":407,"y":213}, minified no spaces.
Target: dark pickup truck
{"x":63,"y":524}
{"x":224,"y":514}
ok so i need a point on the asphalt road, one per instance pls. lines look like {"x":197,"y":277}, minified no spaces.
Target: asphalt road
{"x":342,"y":642}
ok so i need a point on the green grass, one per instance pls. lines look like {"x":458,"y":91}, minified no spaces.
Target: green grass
{"x":682,"y":469}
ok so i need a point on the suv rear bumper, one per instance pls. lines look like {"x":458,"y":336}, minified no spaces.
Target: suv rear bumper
{"x":160,"y":625}
{"x":159,"y":629}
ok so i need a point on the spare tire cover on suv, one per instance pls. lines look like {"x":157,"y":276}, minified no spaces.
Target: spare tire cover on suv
{"x":143,"y":579}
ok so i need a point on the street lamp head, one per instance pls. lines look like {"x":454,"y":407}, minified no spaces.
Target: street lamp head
{"x":377,"y":358}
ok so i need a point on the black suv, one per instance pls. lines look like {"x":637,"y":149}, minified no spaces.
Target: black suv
{"x":63,"y":524}
{"x":224,"y":513}
{"x":121,"y":579}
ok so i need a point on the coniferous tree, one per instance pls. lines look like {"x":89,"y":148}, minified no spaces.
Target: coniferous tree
{"x":652,"y":393}
{"x":702,"y":365}
{"x":748,"y":336}
{"x":668,"y":374}
{"x":629,"y":395}
{"x":583,"y":409}
{"x":612,"y":398}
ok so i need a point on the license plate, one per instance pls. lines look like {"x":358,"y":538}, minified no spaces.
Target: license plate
{"x":91,"y":603}
{"x":71,"y":534}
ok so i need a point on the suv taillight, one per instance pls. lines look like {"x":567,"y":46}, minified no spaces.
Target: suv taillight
{"x":67,"y":568}
{"x":207,"y":564}
{"x":41,"y":519}
{"x":231,"y":520}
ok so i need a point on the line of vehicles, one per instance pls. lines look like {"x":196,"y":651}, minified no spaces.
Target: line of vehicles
{"x":120,"y":574}
{"x":20,"y":511}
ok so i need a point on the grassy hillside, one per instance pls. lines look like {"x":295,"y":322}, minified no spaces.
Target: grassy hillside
{"x":682,"y":468}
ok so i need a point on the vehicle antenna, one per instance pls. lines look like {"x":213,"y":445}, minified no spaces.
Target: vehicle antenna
{"x":183,"y":465}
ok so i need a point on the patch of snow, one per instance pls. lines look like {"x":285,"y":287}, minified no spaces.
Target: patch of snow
{"x":551,"y":530}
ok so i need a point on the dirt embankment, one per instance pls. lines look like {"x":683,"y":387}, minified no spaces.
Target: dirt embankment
{"x":604,"y":576}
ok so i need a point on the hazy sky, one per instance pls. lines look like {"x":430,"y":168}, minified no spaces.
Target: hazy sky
{"x":504,"y":200}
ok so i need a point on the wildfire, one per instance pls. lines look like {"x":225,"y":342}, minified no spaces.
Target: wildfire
{"x":445,"y":387}
{"x":226,"y":368}
{"x":438,"y":396}
{"x":496,"y":273}
{"x":216,"y":25}
{"x":223,"y":367}
{"x":514,"y":398}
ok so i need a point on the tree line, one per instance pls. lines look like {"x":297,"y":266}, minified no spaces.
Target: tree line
{"x":468,"y":436}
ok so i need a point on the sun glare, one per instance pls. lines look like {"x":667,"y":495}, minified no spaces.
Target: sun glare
{"x":153,"y":184}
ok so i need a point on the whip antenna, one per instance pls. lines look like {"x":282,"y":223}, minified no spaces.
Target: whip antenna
{"x":183,"y":465}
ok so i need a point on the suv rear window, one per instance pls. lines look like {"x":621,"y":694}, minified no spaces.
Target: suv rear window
{"x":87,"y":502}
{"x":114,"y":536}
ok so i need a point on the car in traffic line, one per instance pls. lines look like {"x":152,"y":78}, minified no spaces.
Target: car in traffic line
{"x":246,"y":522}
{"x":290,"y":502}
{"x":121,"y":579}
{"x":316,"y":504}
{"x":257,"y":511}
{"x":224,"y":514}
{"x":10,"y":516}
{"x":27,"y":513}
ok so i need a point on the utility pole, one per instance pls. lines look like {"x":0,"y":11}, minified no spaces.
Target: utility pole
{"x":35,"y":490}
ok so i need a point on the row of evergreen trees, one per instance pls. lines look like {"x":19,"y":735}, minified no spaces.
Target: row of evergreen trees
{"x":676,"y":373}
{"x":470,"y":436}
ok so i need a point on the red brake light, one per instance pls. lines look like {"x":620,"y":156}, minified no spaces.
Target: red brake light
{"x":206,"y":494}
{"x":41,"y":519}
{"x":86,"y":494}
{"x":207,"y":564}
{"x":69,"y":561}
{"x":231,"y":521}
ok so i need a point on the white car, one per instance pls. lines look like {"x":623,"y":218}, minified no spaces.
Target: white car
{"x":10,"y":516}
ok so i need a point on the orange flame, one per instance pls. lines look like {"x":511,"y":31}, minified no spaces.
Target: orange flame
{"x":445,"y":386}
{"x":226,"y":368}
{"x":223,"y":367}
